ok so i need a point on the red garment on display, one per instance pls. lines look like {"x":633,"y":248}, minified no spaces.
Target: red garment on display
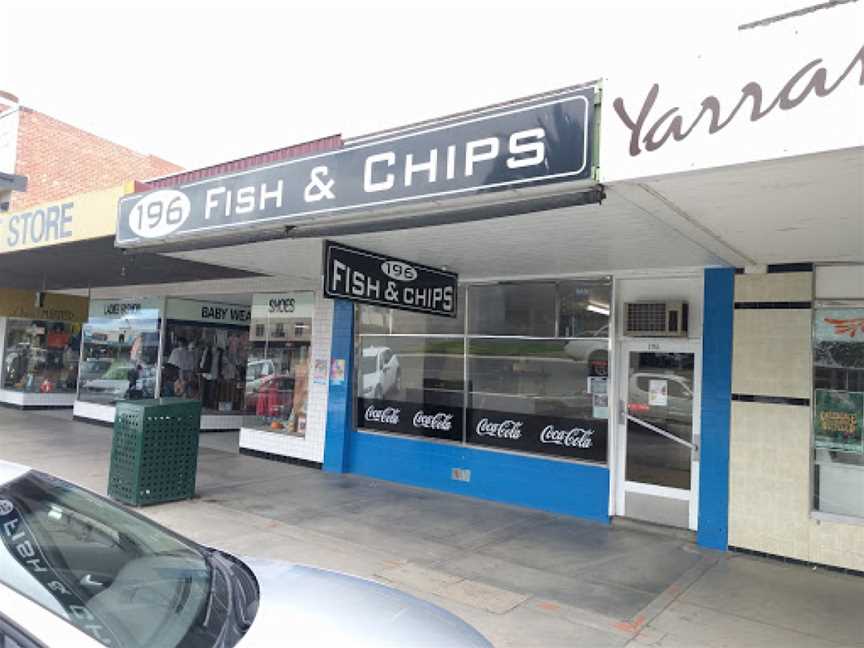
{"x":57,"y":340}
{"x":272,"y":400}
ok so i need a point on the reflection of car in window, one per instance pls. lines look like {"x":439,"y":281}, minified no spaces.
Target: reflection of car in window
{"x":592,"y":350}
{"x":380,"y":373}
{"x":679,"y":396}
{"x":257,"y":372}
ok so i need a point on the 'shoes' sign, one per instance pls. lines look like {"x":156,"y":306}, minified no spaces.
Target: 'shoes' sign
{"x":372,"y":278}
{"x":514,"y":146}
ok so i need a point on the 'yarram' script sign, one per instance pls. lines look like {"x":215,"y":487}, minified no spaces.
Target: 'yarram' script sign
{"x":650,"y":129}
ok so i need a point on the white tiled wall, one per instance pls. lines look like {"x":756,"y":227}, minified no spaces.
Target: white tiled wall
{"x":770,"y":444}
{"x":310,"y":447}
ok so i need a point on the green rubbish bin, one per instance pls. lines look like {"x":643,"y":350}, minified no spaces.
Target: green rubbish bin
{"x":154,"y":452}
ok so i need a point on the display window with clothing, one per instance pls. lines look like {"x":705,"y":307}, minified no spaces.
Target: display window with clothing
{"x":41,"y":356}
{"x":205,"y":362}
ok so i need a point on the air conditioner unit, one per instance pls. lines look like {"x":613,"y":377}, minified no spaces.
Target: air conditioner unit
{"x":655,"y":319}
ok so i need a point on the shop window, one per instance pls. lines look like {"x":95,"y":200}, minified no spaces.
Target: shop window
{"x":206,"y":363}
{"x":411,"y":385}
{"x":537,"y":365}
{"x":838,"y":411}
{"x":41,"y":356}
{"x":277,"y":371}
{"x":526,"y":309}
{"x":119,"y":355}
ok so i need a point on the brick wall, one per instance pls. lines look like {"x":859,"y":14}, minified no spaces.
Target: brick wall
{"x":60,"y":160}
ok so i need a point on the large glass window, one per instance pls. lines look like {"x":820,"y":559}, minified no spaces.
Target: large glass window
{"x":276,"y":389}
{"x":536,"y":360}
{"x":410,"y":372}
{"x":206,"y":363}
{"x":537,"y":367}
{"x":838,"y":411}
{"x":119,"y":352}
{"x":41,"y":356}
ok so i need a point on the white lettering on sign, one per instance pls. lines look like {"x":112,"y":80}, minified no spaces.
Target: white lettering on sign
{"x":221,"y":201}
{"x":524,"y":148}
{"x":389,"y":415}
{"x":346,"y":279}
{"x":438,"y":421}
{"x":573,"y":438}
{"x":399,"y":271}
{"x":507,"y":429}
{"x":160,"y":213}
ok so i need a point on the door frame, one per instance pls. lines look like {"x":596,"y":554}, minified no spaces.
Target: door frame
{"x":660,"y":345}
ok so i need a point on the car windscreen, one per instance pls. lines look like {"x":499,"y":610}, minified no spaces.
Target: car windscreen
{"x":114,"y":575}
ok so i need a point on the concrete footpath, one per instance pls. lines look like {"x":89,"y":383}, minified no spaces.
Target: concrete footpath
{"x":522,"y":577}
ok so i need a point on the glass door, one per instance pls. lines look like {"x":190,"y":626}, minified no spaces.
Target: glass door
{"x":659,"y":432}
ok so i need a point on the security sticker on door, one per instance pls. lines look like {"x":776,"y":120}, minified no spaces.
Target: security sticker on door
{"x":658,"y":393}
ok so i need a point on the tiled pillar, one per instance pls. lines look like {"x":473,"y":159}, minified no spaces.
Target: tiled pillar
{"x":338,"y":435}
{"x":770,"y":444}
{"x":716,"y":402}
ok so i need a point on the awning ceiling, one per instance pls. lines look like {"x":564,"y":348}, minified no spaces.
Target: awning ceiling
{"x":97,"y":262}
{"x":801,"y":209}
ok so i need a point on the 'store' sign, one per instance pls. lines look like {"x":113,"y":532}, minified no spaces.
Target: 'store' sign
{"x":372,"y":278}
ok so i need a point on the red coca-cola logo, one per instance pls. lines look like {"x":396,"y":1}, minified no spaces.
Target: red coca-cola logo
{"x":506,"y":429}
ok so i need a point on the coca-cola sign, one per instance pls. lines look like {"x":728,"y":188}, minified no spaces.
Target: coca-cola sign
{"x":506,"y":429}
{"x":436,"y":421}
{"x":417,"y":419}
{"x":573,"y":438}
{"x":584,"y":439}
{"x":576,"y":438}
{"x":389,"y":415}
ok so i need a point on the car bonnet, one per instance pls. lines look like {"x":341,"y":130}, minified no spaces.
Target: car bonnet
{"x":313,"y":607}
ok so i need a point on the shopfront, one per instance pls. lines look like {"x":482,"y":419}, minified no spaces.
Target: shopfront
{"x":482,"y":350}
{"x":40,"y":340}
{"x":619,"y":327}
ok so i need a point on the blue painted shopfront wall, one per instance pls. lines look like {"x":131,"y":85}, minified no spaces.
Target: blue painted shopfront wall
{"x":550,"y":485}
{"x":556,"y":486}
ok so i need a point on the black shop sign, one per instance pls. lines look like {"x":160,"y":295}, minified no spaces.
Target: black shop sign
{"x":370,"y":278}
{"x":479,"y":154}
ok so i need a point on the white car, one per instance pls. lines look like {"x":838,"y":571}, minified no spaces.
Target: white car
{"x":78,"y":571}
{"x":593,"y":350}
{"x":380,"y":373}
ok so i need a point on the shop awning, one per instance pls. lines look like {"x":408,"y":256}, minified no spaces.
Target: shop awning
{"x":12,"y":182}
{"x":96,"y":262}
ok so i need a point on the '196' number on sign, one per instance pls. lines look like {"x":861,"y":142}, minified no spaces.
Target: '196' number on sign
{"x":159,"y":213}
{"x":173,"y":214}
